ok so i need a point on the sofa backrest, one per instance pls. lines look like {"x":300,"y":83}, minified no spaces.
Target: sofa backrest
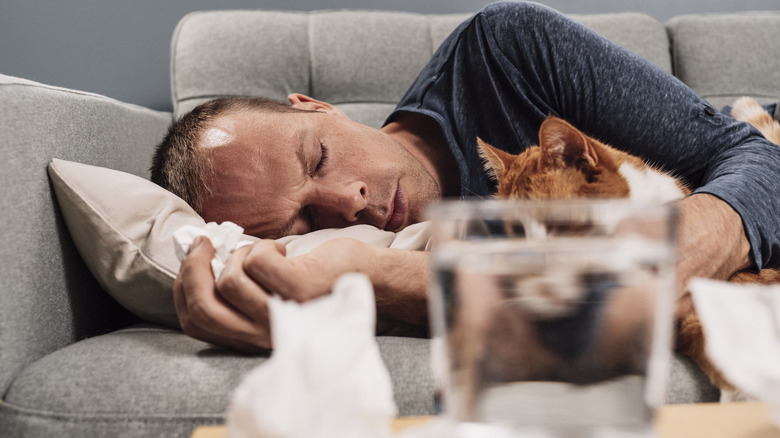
{"x":360,"y":61}
{"x":48,"y":298}
{"x":726,"y":56}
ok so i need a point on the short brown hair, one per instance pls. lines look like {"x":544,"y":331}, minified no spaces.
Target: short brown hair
{"x":179,"y":165}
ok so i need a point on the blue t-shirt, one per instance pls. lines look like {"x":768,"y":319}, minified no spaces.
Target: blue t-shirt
{"x":500,"y":73}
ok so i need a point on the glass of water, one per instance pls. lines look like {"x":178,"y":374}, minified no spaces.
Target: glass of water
{"x":552,"y":318}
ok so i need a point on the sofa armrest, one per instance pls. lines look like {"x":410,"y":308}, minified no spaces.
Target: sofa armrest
{"x":48,"y":298}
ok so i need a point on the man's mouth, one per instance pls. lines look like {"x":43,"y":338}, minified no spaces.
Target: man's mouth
{"x":398,"y":212}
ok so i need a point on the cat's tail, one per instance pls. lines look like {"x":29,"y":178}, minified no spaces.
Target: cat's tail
{"x":746,"y":109}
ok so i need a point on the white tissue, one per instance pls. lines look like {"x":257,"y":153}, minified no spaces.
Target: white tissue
{"x":325,"y":377}
{"x":741,"y":323}
{"x":225,"y":237}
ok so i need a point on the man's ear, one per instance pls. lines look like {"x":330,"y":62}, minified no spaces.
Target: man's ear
{"x":304,"y":102}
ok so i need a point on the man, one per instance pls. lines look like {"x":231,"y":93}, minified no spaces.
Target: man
{"x":280,"y":170}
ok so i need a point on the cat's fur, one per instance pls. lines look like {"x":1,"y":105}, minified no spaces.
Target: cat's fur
{"x":569,"y":164}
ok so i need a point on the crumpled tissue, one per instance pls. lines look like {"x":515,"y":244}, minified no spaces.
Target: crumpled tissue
{"x":741,"y":323}
{"x":225,"y":237}
{"x":325,"y":377}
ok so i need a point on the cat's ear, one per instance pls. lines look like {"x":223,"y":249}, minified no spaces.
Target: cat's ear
{"x":495,"y":160}
{"x":564,"y":145}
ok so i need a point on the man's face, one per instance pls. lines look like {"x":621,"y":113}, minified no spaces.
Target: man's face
{"x":278,"y":174}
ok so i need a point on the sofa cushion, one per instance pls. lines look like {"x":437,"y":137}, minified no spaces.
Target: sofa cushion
{"x":286,"y":52}
{"x":152,"y":381}
{"x":724,"y":56}
{"x":273,"y":54}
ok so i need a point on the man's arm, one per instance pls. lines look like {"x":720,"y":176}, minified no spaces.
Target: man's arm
{"x":711,"y":244}
{"x":615,"y":96}
{"x":234,"y":311}
{"x":401,"y":280}
{"x":399,"y":277}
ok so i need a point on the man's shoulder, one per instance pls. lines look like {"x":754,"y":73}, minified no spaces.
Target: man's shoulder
{"x":502,"y":7}
{"x":514,"y":12}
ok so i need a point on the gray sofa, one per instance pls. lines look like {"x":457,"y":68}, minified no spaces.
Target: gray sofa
{"x":73,"y":362}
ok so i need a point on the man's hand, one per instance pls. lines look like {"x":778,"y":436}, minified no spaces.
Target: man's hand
{"x":711,"y":244}
{"x":309,"y":275}
{"x":233,"y":313}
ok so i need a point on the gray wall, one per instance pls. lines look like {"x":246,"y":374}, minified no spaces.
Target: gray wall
{"x":119,"y":48}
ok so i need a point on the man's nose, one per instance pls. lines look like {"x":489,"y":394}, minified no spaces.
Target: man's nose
{"x":346,"y":201}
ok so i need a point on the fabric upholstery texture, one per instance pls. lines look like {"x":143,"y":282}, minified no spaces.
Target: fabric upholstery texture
{"x":49,"y":299}
{"x":178,"y":383}
{"x":365,"y":78}
{"x":726,"y":56}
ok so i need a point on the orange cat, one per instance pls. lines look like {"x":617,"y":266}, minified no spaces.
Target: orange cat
{"x":569,"y":164}
{"x":748,"y":110}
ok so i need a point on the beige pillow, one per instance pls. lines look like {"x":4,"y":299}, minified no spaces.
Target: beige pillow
{"x":123,"y":228}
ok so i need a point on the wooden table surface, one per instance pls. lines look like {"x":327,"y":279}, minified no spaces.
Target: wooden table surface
{"x":705,"y":420}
